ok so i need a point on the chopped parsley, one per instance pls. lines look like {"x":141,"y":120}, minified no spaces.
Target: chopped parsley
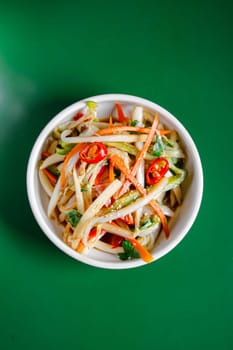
{"x":129,"y":251}
{"x":146,"y":223}
{"x":158,"y":146}
{"x":74,"y":217}
{"x":134,"y":123}
{"x":54,"y":170}
{"x":84,"y":188}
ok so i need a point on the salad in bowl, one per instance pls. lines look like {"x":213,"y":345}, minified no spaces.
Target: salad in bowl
{"x":112,"y":177}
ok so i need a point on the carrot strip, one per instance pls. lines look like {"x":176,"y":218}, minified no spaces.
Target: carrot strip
{"x":111,"y":171}
{"x":67,"y":158}
{"x":94,"y":232}
{"x":118,"y":162}
{"x":81,"y":247}
{"x":110,"y":121}
{"x":99,"y":176}
{"x":128,"y":219}
{"x":143,"y":252}
{"x":120,"y":112}
{"x":163,"y":132}
{"x":52,"y":178}
{"x":162,"y":217}
{"x":114,"y":129}
{"x":146,"y":145}
{"x":141,"y":154}
{"x":45,"y":155}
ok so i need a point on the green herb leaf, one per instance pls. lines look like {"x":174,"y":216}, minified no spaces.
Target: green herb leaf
{"x":123,"y":256}
{"x":129,"y":251}
{"x":146,"y":223}
{"x":54,"y":170}
{"x":158,"y":146}
{"x":91,"y":105}
{"x":74,"y":217}
{"x":134,"y":123}
{"x":64,"y":148}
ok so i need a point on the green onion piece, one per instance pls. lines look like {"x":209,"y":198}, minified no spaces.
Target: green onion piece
{"x":123,"y":201}
{"x":91,"y":105}
{"x":124,"y":147}
{"x":74,"y":217}
{"x":134,"y":123}
{"x":129,"y":251}
{"x":54,"y":170}
{"x":146,"y":224}
{"x":158,"y":146}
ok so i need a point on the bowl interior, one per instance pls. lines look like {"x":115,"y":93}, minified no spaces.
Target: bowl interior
{"x":184,"y":216}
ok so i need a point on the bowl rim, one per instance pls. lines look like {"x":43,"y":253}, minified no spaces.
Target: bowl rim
{"x":32,"y":170}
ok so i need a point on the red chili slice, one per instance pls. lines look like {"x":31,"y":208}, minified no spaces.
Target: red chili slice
{"x":93,"y":233}
{"x":121,"y":116}
{"x":78,"y":116}
{"x":45,"y":155}
{"x":93,"y":152}
{"x":99,"y":176}
{"x":112,"y":239}
{"x":157,"y":170}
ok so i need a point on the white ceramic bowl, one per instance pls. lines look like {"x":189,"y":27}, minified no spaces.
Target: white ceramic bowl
{"x":180,"y":223}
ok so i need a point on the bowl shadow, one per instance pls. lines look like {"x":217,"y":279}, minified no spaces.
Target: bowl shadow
{"x":15,"y":211}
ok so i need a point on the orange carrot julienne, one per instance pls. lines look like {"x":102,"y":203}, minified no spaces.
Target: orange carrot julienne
{"x":98,"y":178}
{"x":110,"y":121}
{"x":162,"y":217}
{"x":141,"y":189}
{"x":146,"y":145}
{"x":80,"y":248}
{"x":143,"y":252}
{"x":142,"y":153}
{"x":113,"y":129}
{"x":120,"y":112}
{"x":118,"y":162}
{"x":128,"y":219}
{"x":163,"y":132}
{"x":67,"y":158}
{"x":111,"y":171}
{"x":45,"y":154}
{"x":52,"y":178}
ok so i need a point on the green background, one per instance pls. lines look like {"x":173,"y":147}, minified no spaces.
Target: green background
{"x":176,"y":53}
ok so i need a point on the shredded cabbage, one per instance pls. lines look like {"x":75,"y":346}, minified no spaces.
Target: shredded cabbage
{"x":78,"y":177}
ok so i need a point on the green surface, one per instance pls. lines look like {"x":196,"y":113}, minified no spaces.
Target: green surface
{"x":176,"y":53}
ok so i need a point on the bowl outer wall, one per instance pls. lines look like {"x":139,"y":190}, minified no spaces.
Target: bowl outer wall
{"x":190,"y":205}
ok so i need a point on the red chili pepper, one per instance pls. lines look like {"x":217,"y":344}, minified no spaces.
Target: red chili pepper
{"x":100,"y":173}
{"x":93,"y":233}
{"x":112,"y":239}
{"x":78,"y":116}
{"x":157,"y":170}
{"x":93,"y":152}
{"x":52,"y":178}
{"x":45,"y":155}
{"x":116,"y":241}
{"x":128,"y":219}
{"x":121,"y":116}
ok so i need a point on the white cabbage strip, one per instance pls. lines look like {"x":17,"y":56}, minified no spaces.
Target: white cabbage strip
{"x":93,"y":210}
{"x":53,"y":159}
{"x":139,"y":203}
{"x":109,"y":138}
{"x":54,"y":198}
